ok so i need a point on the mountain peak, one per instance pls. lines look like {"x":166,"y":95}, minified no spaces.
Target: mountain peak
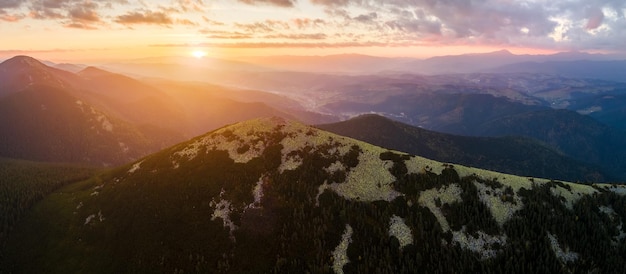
{"x":292,"y":141}
{"x":22,"y":62}
{"x":92,"y":71}
{"x":21,"y":71}
{"x":502,"y":52}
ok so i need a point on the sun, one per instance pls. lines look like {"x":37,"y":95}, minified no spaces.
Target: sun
{"x":198,"y":54}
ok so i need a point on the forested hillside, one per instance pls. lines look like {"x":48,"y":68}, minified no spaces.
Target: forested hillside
{"x":298,"y":199}
{"x":22,"y":184}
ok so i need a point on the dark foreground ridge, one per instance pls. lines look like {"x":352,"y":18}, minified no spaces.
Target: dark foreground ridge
{"x":273,"y":196}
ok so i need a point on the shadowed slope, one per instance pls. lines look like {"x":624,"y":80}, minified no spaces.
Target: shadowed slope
{"x":515,"y":155}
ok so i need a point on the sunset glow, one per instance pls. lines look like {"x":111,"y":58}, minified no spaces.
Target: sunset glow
{"x":105,"y":30}
{"x":198,"y":54}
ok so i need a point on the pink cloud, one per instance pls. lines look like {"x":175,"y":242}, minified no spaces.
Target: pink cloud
{"x":594,"y":19}
{"x":144,"y":17}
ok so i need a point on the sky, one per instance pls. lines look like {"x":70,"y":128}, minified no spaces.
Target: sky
{"x":122,"y":29}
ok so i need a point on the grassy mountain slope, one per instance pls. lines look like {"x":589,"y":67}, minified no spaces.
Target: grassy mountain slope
{"x":298,"y":199}
{"x":513,"y":155}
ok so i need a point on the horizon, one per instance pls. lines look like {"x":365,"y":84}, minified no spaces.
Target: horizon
{"x":93,"y":31}
{"x":200,"y":56}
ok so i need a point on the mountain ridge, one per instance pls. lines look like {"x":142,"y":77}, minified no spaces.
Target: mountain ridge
{"x":157,"y":118}
{"x":322,"y":203}
{"x":44,"y":123}
{"x":514,"y":155}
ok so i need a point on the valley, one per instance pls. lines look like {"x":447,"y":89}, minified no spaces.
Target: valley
{"x":127,"y":167}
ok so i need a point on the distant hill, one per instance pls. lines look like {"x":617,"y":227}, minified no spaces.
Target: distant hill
{"x":70,"y":67}
{"x":609,"y":109}
{"x":20,"y":72}
{"x":468,"y":109}
{"x":211,"y":106}
{"x":513,"y":155}
{"x":611,"y":70}
{"x":339,"y":63}
{"x":43,"y":123}
{"x":458,"y":113}
{"x":298,"y":199}
{"x":134,"y":100}
{"x":187,"y":108}
{"x":450,"y":64}
{"x":578,"y":136}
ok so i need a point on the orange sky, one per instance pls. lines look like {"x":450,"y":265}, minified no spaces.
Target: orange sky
{"x":98,"y":30}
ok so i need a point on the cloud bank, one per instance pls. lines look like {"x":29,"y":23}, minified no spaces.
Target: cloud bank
{"x":564,"y":25}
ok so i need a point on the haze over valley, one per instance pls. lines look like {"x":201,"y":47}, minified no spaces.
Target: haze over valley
{"x":310,"y":136}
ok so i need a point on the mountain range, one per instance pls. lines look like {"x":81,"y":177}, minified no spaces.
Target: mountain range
{"x":451,"y":64}
{"x":102,"y":118}
{"x":451,"y":173}
{"x":149,"y":114}
{"x":299,"y":199}
{"x":481,"y":115}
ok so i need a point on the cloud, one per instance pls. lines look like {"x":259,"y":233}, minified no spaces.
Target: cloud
{"x":594,"y":19}
{"x":493,"y":22}
{"x":299,"y":45}
{"x":366,"y":17}
{"x":6,"y":8}
{"x":564,"y":24}
{"x":280,"y":3}
{"x":267,"y":26}
{"x":186,"y":22}
{"x":254,"y":27}
{"x":10,"y":4}
{"x":45,"y":14}
{"x":252,"y":45}
{"x":298,"y":36}
{"x":85,"y":12}
{"x":83,"y":15}
{"x":78,"y":25}
{"x":145,"y":17}
{"x":212,"y":22}
{"x":233,"y":36}
{"x":307,"y":22}
{"x":11,"y":18}
{"x":338,"y":3}
{"x":48,"y":9}
{"x":221,"y":34}
{"x":190,"y":5}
